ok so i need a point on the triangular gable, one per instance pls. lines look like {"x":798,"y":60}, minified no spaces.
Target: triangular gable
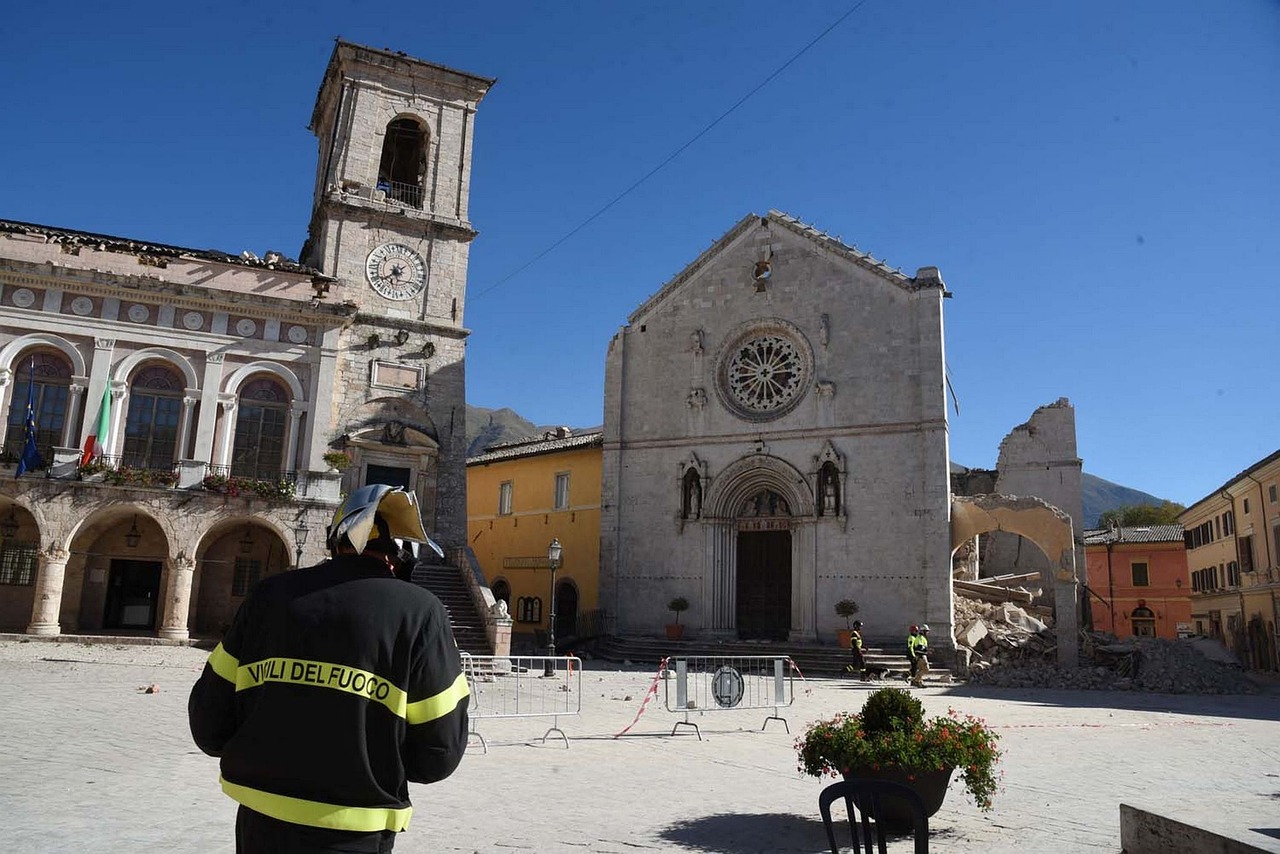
{"x":925,"y":277}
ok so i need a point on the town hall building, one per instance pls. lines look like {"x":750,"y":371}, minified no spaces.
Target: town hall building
{"x":233,"y":398}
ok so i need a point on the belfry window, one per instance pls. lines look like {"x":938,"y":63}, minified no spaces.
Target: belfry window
{"x":53,"y":383}
{"x":404,"y":162}
{"x":155,"y":410}
{"x":261,"y":419}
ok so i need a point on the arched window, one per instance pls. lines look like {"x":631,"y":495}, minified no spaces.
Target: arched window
{"x":52,"y":375}
{"x":261,"y":419}
{"x":155,"y":410}
{"x":404,"y":162}
{"x":1144,"y":621}
{"x":502,"y":591}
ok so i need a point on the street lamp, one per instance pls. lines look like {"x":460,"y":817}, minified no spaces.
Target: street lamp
{"x":553,"y":560}
{"x":300,"y":532}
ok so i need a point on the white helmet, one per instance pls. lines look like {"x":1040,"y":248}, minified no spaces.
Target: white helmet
{"x":356,"y":517}
{"x":924,"y":627}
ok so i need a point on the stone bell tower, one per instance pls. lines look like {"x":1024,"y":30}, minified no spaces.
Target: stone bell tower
{"x":390,"y":225}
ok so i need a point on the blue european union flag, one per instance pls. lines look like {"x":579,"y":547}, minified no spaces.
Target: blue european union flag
{"x":30,"y":453}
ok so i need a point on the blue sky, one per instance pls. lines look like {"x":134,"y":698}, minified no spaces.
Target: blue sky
{"x":1097,"y":181}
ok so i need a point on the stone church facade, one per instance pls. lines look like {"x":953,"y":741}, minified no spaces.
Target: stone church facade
{"x":244,"y":394}
{"x":776,"y":441}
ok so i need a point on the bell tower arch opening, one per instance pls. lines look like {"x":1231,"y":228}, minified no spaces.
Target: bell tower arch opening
{"x":403,"y":165}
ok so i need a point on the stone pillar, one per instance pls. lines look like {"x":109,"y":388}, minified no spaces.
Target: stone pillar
{"x":177,"y":598}
{"x":228,"y":428}
{"x":6,"y":389}
{"x":99,"y":376}
{"x":291,"y":440}
{"x":184,"y":422}
{"x":1066,"y":617}
{"x":115,"y":439}
{"x":75,"y":395}
{"x":208,"y":407}
{"x":501,"y":636}
{"x":48,"y":601}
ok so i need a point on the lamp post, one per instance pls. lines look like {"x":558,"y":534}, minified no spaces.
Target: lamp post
{"x":554,"y":551}
{"x":300,"y":532}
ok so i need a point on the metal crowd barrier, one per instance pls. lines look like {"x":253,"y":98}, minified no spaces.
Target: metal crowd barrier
{"x":522,"y":686}
{"x":728,"y":683}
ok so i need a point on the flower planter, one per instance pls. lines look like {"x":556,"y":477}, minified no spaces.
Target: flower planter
{"x":675,"y":631}
{"x":844,"y":638}
{"x":930,"y":785}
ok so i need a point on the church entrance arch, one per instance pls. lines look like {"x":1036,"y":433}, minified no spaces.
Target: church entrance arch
{"x":755,"y":519}
{"x":764,"y":567}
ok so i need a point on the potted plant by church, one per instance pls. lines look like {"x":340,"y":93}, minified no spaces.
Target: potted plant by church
{"x":846,"y":608}
{"x":675,"y":630}
{"x":890,"y":739}
{"x":336,"y":460}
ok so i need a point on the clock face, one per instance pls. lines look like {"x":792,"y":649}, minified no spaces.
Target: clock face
{"x":396,"y":271}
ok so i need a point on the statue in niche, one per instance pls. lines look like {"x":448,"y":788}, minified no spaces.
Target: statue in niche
{"x":828,"y":490}
{"x":695,"y":340}
{"x":691,"y":500}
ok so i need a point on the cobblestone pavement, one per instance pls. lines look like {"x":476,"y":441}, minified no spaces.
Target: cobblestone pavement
{"x":89,"y":762}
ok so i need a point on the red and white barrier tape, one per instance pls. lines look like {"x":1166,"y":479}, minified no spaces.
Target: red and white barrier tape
{"x":649,"y":695}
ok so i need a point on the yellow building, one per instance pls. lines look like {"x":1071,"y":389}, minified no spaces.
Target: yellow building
{"x":520,"y":497}
{"x":1233,"y":555}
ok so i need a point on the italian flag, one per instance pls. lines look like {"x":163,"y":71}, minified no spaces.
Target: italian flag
{"x":95,"y":444}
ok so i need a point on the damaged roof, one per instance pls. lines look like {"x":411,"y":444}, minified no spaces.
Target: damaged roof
{"x":108,"y":243}
{"x":545,"y":444}
{"x":1138,"y":534}
{"x":926,"y":276}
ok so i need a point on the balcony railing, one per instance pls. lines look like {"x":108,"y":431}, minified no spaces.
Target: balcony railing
{"x":237,"y":480}
{"x":115,"y":471}
{"x":398,"y":191}
{"x":234,"y":481}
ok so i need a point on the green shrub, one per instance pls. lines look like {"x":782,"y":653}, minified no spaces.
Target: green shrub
{"x":890,"y":709}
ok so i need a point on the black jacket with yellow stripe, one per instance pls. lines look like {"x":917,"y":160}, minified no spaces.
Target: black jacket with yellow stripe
{"x":334,"y":687}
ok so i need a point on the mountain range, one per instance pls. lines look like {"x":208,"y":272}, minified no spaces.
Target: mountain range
{"x":487,"y":427}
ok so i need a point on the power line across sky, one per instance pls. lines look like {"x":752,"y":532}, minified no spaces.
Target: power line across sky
{"x":1095,"y":181}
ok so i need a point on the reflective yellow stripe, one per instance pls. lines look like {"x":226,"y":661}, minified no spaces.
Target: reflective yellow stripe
{"x":440,"y":705}
{"x":322,"y":674}
{"x":317,"y":814}
{"x":224,"y":663}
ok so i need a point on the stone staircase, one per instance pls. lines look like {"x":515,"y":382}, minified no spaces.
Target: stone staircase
{"x":449,"y":586}
{"x":811,"y":659}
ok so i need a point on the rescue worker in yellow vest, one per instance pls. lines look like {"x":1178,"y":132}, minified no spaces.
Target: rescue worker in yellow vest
{"x":920,"y":656}
{"x":335,"y":686}
{"x":859,"y":665}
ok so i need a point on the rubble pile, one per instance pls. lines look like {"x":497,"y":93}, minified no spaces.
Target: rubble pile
{"x":1010,"y":648}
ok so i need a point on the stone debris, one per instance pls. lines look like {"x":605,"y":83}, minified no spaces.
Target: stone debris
{"x":1004,"y":646}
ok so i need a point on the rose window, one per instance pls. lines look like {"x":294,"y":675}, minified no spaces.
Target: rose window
{"x":764,"y":374}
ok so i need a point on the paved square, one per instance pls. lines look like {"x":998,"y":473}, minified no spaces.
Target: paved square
{"x":91,"y":763}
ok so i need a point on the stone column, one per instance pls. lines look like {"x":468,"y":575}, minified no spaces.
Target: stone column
{"x":177,"y":598}
{"x":48,"y":602}
{"x":99,"y":376}
{"x":114,"y":438}
{"x":75,"y":395}
{"x":228,"y":427}
{"x":184,"y":422}
{"x":6,"y":389}
{"x":208,"y":407}
{"x":291,"y":440}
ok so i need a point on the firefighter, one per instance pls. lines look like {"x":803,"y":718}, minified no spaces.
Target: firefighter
{"x":920,"y":661}
{"x":335,"y":686}
{"x":859,"y":664}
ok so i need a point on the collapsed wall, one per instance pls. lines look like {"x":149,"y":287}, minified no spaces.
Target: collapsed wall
{"x":1007,"y":645}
